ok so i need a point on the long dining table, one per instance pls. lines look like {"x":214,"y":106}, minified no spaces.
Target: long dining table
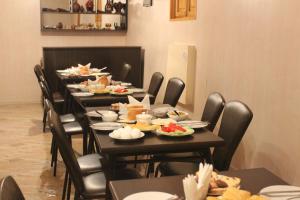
{"x":252,"y":180}
{"x":112,"y":150}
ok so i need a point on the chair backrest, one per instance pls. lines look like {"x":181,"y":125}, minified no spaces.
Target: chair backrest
{"x":155,"y":83}
{"x":174,"y":90}
{"x":124,"y":72}
{"x":37,"y":72}
{"x":45,"y":91}
{"x":212,"y":110}
{"x":9,"y":189}
{"x":235,"y":121}
{"x":66,"y":150}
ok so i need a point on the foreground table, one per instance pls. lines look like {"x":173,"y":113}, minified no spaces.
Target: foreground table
{"x":253,"y":180}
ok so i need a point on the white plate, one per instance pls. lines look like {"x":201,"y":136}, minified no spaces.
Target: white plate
{"x":99,"y":74}
{"x":61,"y":71}
{"x":142,"y":135}
{"x":193,"y":124}
{"x":75,"y":86}
{"x":106,"y":126}
{"x":149,"y":196}
{"x":96,"y":114}
{"x":126,"y":84}
{"x":82,"y":94}
{"x":136,"y":90}
{"x":281,"y":192}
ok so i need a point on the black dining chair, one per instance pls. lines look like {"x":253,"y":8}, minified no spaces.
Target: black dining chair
{"x":55,"y":98}
{"x":124,"y":72}
{"x":211,"y":113}
{"x":87,"y":186}
{"x":235,"y":121}
{"x":9,"y":189}
{"x":155,"y":84}
{"x":70,"y":128}
{"x":88,"y":164}
{"x":173,"y":92}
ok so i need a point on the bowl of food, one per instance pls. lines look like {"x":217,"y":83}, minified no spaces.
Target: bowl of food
{"x":178,"y":115}
{"x":109,"y":116}
{"x":161,"y":112}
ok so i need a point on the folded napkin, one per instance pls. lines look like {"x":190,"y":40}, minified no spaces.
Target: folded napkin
{"x":197,"y":188}
{"x":145,"y":102}
{"x":87,"y":66}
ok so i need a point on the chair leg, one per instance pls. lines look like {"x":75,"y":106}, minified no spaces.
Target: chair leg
{"x":91,"y":147}
{"x":69,"y":188}
{"x":44,"y":119}
{"x":55,"y":151}
{"x":65,"y":185}
{"x":150,"y":169}
{"x":156,"y":171}
{"x":135,"y":161}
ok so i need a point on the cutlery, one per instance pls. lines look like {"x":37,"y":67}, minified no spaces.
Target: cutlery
{"x":103,"y":69}
{"x":176,"y":112}
{"x":99,"y":113}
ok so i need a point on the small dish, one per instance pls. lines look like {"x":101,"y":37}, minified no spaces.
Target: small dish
{"x":178,"y":115}
{"x":106,"y":126}
{"x":109,"y":116}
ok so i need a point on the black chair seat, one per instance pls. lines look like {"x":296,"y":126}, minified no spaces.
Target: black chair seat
{"x":67,"y":118}
{"x":90,"y":163}
{"x":177,"y":168}
{"x":72,"y":128}
{"x":94,"y":184}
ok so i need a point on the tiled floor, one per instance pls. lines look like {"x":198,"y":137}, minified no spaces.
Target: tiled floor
{"x":25,"y":152}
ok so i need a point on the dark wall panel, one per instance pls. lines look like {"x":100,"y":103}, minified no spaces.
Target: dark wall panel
{"x":112,"y":57}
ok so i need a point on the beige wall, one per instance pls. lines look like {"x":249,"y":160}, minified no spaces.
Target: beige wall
{"x":247,"y":50}
{"x":21,"y":48}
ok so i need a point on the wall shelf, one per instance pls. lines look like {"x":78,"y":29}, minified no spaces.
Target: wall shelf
{"x":58,"y":16}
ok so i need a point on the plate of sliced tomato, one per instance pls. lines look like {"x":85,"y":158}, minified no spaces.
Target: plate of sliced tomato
{"x":175,"y":130}
{"x":121,"y":91}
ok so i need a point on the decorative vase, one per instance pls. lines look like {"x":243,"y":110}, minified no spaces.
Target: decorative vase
{"x":118,"y":7}
{"x":76,"y":6}
{"x":89,"y":5}
{"x":109,"y":6}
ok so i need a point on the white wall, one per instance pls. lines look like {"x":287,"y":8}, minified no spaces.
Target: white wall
{"x":21,"y":48}
{"x":246,"y":50}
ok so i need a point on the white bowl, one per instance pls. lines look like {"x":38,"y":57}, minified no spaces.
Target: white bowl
{"x":109,"y":116}
{"x":182,"y":115}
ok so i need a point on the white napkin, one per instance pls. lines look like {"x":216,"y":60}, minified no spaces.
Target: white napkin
{"x":145,"y":102}
{"x":194,"y":190}
{"x":95,"y":82}
{"x":88,"y":65}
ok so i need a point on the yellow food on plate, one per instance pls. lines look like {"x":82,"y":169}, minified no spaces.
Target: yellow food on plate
{"x":232,"y":193}
{"x":143,"y":127}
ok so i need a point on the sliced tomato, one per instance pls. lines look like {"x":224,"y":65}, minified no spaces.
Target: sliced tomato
{"x":121,"y":90}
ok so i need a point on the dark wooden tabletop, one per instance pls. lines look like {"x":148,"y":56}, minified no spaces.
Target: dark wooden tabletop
{"x":252,"y":180}
{"x":152,"y":144}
